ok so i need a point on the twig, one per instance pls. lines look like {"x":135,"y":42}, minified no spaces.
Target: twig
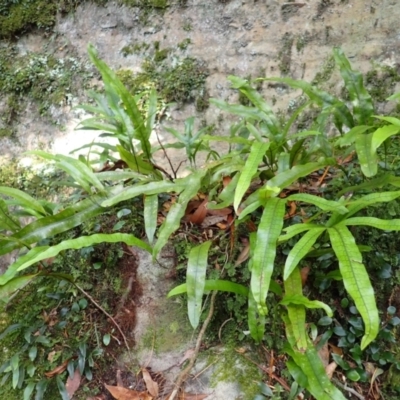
{"x":220,"y":329}
{"x":321,"y":180}
{"x":166,"y":155}
{"x":349,"y":389}
{"x":185,"y":372}
{"x":104,"y":312}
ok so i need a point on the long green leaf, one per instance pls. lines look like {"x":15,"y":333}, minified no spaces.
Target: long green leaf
{"x":41,"y":387}
{"x":365,"y":201}
{"x":218,"y":284}
{"x":13,"y":285}
{"x":75,"y":168}
{"x":299,"y":299}
{"x":250,"y":168}
{"x":146,"y":189}
{"x":320,"y":202}
{"x":386,"y":225}
{"x":61,"y":388}
{"x":195,"y":281}
{"x":269,"y":228}
{"x":383,"y":133}
{"x":321,"y":98}
{"x":361,"y":100}
{"x":150,"y":215}
{"x":294,"y":230}
{"x":40,"y":253}
{"x":151,"y":114}
{"x":238,"y":109}
{"x":130,"y":106}
{"x":136,"y":163}
{"x":255,"y":319}
{"x":47,"y":227}
{"x":191,"y":184}
{"x":349,"y":138}
{"x":356,"y":280}
{"x":255,"y":97}
{"x":284,"y":179}
{"x":29,"y":390}
{"x":300,"y":249}
{"x":296,"y":312}
{"x":318,"y":383}
{"x":391,"y":120}
{"x":226,"y":139}
{"x":7,"y":221}
{"x":24,"y":199}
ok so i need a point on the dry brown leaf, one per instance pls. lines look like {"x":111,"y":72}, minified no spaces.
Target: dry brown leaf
{"x":58,"y":370}
{"x":73,"y":383}
{"x":51,"y":355}
{"x":119,"y":379}
{"x":244,"y":255}
{"x":304,"y":275}
{"x":187,"y":356}
{"x":120,"y":393}
{"x":226,"y":180}
{"x":151,"y":385}
{"x":330,"y":369}
{"x":212,"y":220}
{"x":191,"y":396}
{"x":335,"y":349}
{"x":198,"y":216}
{"x":222,"y":226}
{"x":323,"y":353}
{"x":221,"y":212}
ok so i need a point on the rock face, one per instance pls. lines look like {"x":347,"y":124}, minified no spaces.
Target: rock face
{"x":242,"y":37}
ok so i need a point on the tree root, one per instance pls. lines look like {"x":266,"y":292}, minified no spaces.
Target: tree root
{"x":182,"y":376}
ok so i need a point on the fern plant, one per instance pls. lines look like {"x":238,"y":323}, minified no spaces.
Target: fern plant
{"x":266,"y":160}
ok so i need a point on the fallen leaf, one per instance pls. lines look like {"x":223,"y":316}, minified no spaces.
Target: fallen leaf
{"x":51,"y":355}
{"x":304,"y":275}
{"x":119,"y":379}
{"x":244,"y":255}
{"x":323,"y":353}
{"x":120,"y":393}
{"x":212,"y":220}
{"x":73,"y":383}
{"x":58,"y":370}
{"x":151,"y":385}
{"x":330,"y":369}
{"x":221,"y":212}
{"x":191,"y":396}
{"x":198,"y":216}
{"x":251,"y":226}
{"x":187,"y":356}
{"x":335,"y":349}
{"x":226,"y":180}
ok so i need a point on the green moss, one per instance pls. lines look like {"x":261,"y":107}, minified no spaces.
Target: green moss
{"x":161,"y":55}
{"x":285,"y":54}
{"x":187,"y":26}
{"x":182,"y":83}
{"x":380,"y":82}
{"x":41,"y":77}
{"x":6,"y":132}
{"x":236,"y":368}
{"x":184,"y":44}
{"x":157,"y":4}
{"x":136,"y":48}
{"x":20,"y":16}
{"x":326,"y":72}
